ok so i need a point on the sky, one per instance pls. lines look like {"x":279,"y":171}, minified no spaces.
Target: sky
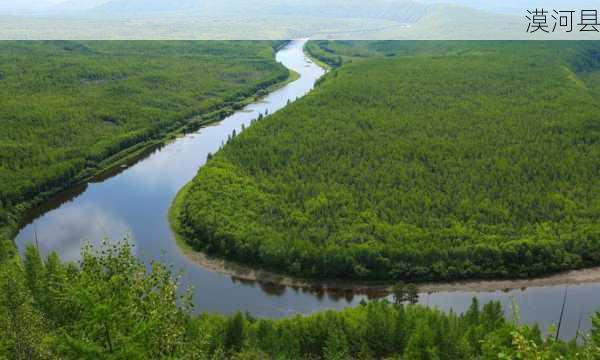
{"x":490,"y":5}
{"x":282,"y":19}
{"x":38,"y":5}
{"x":27,"y":4}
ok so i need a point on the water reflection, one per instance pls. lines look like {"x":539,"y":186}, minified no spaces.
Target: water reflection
{"x":66,"y":231}
{"x":541,"y":305}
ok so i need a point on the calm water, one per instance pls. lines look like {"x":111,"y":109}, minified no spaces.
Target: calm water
{"x":134,"y":203}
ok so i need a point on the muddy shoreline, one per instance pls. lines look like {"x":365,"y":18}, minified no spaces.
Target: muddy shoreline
{"x":243,"y":273}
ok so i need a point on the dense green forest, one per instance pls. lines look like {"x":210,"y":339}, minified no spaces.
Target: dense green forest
{"x":582,"y":56}
{"x":68,"y":108}
{"x":416,"y":161}
{"x":112,"y":306}
{"x":445,"y":165}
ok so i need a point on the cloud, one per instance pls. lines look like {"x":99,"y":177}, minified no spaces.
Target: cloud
{"x":65,"y":230}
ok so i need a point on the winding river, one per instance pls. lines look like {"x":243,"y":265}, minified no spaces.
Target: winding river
{"x":134,"y":202}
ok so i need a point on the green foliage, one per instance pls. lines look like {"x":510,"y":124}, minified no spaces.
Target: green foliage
{"x":68,"y":106}
{"x":452,"y":161}
{"x":405,"y":293}
{"x":321,"y":51}
{"x":381,"y":330}
{"x":581,"y":55}
{"x":234,"y":333}
{"x":112,"y":306}
{"x":36,"y":274}
{"x":596,"y":329}
{"x":421,"y":345}
{"x":22,"y":326}
{"x":123,"y":310}
{"x":336,"y":346}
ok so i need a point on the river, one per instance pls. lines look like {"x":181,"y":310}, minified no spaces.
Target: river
{"x":134,"y":202}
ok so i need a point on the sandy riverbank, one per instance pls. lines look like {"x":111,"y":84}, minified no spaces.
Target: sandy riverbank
{"x":245,"y":273}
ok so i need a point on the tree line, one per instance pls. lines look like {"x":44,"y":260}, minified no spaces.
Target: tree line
{"x":113,"y":306}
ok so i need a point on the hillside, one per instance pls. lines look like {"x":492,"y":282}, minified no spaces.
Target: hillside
{"x":72,"y":109}
{"x":581,"y":56}
{"x":468,"y":160}
{"x":397,"y":10}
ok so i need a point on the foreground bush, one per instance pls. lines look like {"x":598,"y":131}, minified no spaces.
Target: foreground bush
{"x":112,"y":306}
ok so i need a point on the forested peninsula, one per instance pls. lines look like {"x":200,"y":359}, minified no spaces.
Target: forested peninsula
{"x":415,"y":161}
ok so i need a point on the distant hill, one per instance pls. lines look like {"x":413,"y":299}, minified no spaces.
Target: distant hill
{"x":518,"y":7}
{"x":278,"y":19}
{"x":444,"y":21}
{"x":70,"y":6}
{"x":396,"y":10}
{"x":132,"y":7}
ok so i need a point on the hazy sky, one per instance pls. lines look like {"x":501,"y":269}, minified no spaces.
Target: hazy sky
{"x":279,"y":19}
{"x":490,"y":5}
{"x":27,"y":4}
{"x":33,"y":5}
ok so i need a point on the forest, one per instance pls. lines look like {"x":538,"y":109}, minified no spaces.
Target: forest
{"x":70,"y":108}
{"x":581,"y":56}
{"x":113,"y":306}
{"x":408,"y":162}
{"x":415,"y":161}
